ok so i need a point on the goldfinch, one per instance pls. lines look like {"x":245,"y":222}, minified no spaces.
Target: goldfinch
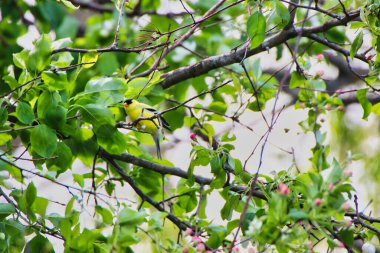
{"x":136,"y":110}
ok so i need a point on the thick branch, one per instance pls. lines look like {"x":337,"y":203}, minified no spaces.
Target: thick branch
{"x":173,"y":77}
{"x":166,"y":170}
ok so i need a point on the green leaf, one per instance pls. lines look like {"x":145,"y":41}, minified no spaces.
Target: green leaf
{"x":55,"y":117}
{"x":79,"y":179}
{"x":20,"y":59}
{"x":217,"y":235}
{"x":43,"y":141}
{"x":335,"y":174}
{"x":3,"y":116}
{"x":89,"y":59}
{"x":69,"y":4}
{"x":283,"y":15}
{"x":64,"y":60}
{"x":63,"y":160}
{"x":55,"y":80}
{"x":83,"y":145}
{"x":256,"y":26}
{"x":297,"y":80}
{"x":347,"y":237}
{"x":24,"y":113}
{"x":356,"y":44}
{"x":105,"y":91}
{"x":156,"y":221}
{"x":96,"y":114}
{"x":361,"y":95}
{"x":30,"y":194}
{"x":47,"y":100}
{"x":218,"y":106}
{"x":11,"y":81}
{"x":231,"y":203}
{"x":131,"y":217}
{"x":357,"y":25}
{"x":296,"y":214}
{"x":139,"y":86}
{"x":375,"y":109}
{"x":6,"y":209}
{"x":4,"y":138}
{"x":39,"y":58}
{"x":110,"y":139}
{"x":39,"y":244}
{"x":106,"y":214}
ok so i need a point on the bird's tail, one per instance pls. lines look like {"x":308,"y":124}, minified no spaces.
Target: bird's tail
{"x":156,"y":138}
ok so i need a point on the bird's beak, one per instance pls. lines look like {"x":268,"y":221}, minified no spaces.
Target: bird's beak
{"x":125,"y":105}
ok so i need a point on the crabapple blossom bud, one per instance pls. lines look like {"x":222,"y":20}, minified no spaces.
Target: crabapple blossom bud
{"x":189,"y":231}
{"x":346,"y":206}
{"x":330,"y":186}
{"x":339,"y":92}
{"x":185,"y":250}
{"x":283,"y":189}
{"x":349,"y":223}
{"x":201,"y":247}
{"x":193,"y":136}
{"x":328,"y":107}
{"x":347,"y":173}
{"x":320,"y":57}
{"x":318,"y":202}
{"x":196,"y":239}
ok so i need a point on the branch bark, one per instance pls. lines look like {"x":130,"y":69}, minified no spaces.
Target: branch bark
{"x":166,"y":170}
{"x":181,"y":74}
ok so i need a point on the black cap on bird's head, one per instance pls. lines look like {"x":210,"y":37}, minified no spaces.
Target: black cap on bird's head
{"x":127,"y":102}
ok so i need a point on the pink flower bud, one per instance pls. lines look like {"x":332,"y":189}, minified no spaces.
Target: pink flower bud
{"x":330,"y":186}
{"x":208,"y":251}
{"x":318,"y":202}
{"x":328,"y":107}
{"x":347,"y":173}
{"x":201,"y":247}
{"x":283,"y":189}
{"x":189,"y":231}
{"x":309,"y":244}
{"x":349,"y":223}
{"x":185,"y":250}
{"x":346,"y":206}
{"x":320,"y":57}
{"x":235,"y":249}
{"x":341,"y":108}
{"x":193,"y":136}
{"x":196,"y":239}
{"x":339,"y":92}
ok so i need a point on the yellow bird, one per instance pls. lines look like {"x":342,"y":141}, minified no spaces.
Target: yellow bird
{"x":154,"y":126}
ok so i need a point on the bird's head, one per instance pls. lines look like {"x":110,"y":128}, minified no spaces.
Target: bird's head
{"x":127,"y":102}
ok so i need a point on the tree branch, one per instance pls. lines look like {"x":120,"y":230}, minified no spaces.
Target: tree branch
{"x":175,"y":76}
{"x":162,"y":169}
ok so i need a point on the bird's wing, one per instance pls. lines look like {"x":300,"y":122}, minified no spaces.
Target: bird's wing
{"x":164,"y":123}
{"x":151,"y":110}
{"x":162,"y":120}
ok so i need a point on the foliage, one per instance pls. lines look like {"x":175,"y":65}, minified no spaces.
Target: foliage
{"x":61,"y":109}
